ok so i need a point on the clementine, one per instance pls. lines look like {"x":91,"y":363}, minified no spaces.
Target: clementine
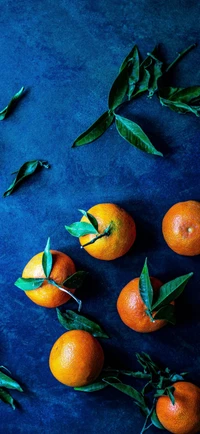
{"x":184,"y":416}
{"x":132,"y":309}
{"x":49,"y":295}
{"x":181,"y":228}
{"x":76,"y":359}
{"x":120,"y":236}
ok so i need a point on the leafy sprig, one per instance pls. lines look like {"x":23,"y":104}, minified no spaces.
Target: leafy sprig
{"x":70,"y":320}
{"x":134,"y":79}
{"x":6,"y":382}
{"x":159,"y":305}
{"x":25,"y":170}
{"x":82,"y":228}
{"x":72,"y":282}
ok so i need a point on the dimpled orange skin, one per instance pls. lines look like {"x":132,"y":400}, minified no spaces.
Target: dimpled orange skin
{"x":76,"y":359}
{"x":181,"y":228}
{"x":184,"y":416}
{"x":121,"y":238}
{"x":48,"y":295}
{"x":131,"y":307}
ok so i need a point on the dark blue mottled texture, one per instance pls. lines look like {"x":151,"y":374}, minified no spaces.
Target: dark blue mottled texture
{"x":67,"y":55}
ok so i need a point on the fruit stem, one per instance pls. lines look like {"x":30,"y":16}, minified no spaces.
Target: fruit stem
{"x":180,"y":55}
{"x":106,"y":233}
{"x":68,"y":292}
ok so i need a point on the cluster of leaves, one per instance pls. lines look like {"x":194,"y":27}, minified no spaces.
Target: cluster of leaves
{"x":159,"y":383}
{"x":134,"y":79}
{"x":72,"y":282}
{"x":6,"y":382}
{"x":79,"y":229}
{"x":158,"y":304}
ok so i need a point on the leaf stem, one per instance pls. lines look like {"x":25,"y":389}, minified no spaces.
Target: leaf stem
{"x":106,"y":233}
{"x":180,"y":55}
{"x":68,"y":292}
{"x":145,"y":427}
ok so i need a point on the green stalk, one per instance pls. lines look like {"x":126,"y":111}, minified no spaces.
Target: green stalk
{"x":180,"y":55}
{"x":106,"y":233}
{"x":68,"y":292}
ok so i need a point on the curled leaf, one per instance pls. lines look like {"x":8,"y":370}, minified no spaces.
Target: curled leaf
{"x":25,"y":170}
{"x":73,"y":321}
{"x":28,"y":284}
{"x":7,"y":110}
{"x":131,"y":132}
{"x":96,"y":130}
{"x":47,"y":259}
{"x":181,"y":100}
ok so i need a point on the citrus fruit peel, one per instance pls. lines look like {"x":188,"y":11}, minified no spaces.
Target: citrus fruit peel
{"x":73,"y":281}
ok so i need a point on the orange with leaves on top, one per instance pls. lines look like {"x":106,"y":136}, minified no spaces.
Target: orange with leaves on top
{"x":181,"y":228}
{"x":184,"y":416}
{"x":49,"y":295}
{"x":132,"y":309}
{"x":120,"y":236}
{"x":76,"y":359}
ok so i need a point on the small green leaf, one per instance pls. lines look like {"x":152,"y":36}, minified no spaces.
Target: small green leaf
{"x":144,"y":76}
{"x":28,"y":284}
{"x":7,"y":398}
{"x":155,"y":421}
{"x":8,"y":109}
{"x":166,"y":313}
{"x":119,"y":88}
{"x":96,"y":130}
{"x":170,"y":392}
{"x":25,"y":170}
{"x":181,"y":100}
{"x":91,"y":219}
{"x":76,"y":280}
{"x":171,"y":290}
{"x":94,"y":387}
{"x":9,"y":383}
{"x":128,"y":390}
{"x":47,"y":259}
{"x":145,"y":287}
{"x":177,"y":377}
{"x":73,"y":321}
{"x":131,"y":132}
{"x":133,"y":60}
{"x":129,"y":58}
{"x":79,"y":229}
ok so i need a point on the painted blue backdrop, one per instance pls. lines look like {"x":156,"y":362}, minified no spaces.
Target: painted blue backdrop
{"x":67,"y":55}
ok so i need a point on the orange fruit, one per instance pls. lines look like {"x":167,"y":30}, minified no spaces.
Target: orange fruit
{"x":181,"y":228}
{"x":48,"y":295}
{"x":76,"y":359}
{"x":184,"y":416}
{"x":131,"y":307}
{"x":122,"y":233}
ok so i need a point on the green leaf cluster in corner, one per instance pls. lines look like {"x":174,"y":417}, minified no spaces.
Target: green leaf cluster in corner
{"x":6,"y":382}
{"x":159,"y":306}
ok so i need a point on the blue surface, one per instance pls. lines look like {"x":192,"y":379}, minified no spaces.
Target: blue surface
{"x":67,"y":55}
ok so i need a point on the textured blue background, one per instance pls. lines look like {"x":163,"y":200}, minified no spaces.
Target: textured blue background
{"x":67,"y":55}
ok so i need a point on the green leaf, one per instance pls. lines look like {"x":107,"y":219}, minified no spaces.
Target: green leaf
{"x":7,"y":398}
{"x":76,"y":280}
{"x":144,"y":76}
{"x":145,"y":287}
{"x":96,"y":130}
{"x":128,"y":390}
{"x":155,"y":421}
{"x":181,"y":100}
{"x":47,"y":259}
{"x":177,"y":377}
{"x":166,"y":313}
{"x":94,"y":387}
{"x":137,"y":374}
{"x":79,"y":229}
{"x":170,"y":392}
{"x":130,"y":58}
{"x":9,"y":383}
{"x":73,"y":321}
{"x":91,"y":219}
{"x":131,"y":132}
{"x":133,"y":60}
{"x":119,"y":88}
{"x":171,"y":290}
{"x":155,"y":70}
{"x":28,"y":284}
{"x":8,"y":109}
{"x":25,"y":170}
